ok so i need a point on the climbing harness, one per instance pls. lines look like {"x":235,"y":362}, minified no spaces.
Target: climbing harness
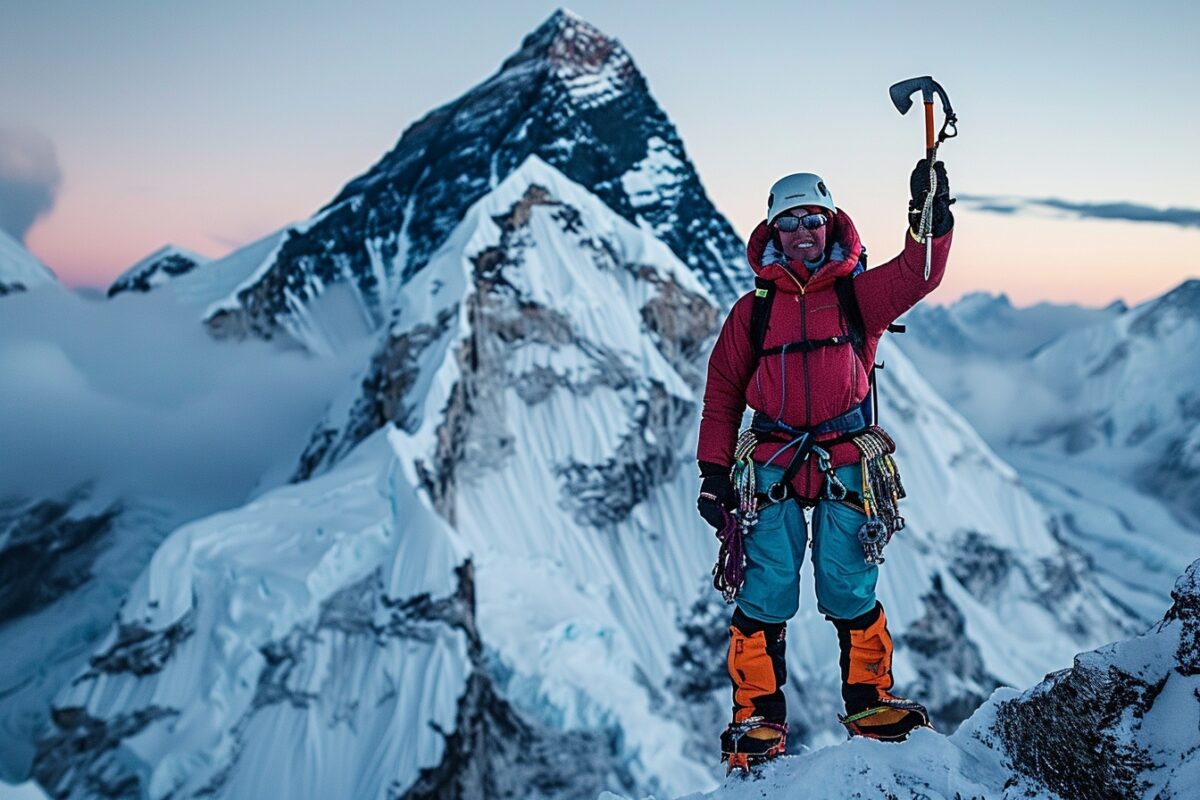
{"x":882,"y":491}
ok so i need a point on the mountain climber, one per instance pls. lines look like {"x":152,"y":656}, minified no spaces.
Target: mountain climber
{"x":799,"y":351}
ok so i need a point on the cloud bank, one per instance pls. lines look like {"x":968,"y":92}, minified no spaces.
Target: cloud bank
{"x":1131,"y":212}
{"x":132,"y":396}
{"x":29,"y":178}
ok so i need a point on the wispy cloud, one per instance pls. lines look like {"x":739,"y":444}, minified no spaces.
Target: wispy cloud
{"x":1132,"y":212}
{"x":29,"y":178}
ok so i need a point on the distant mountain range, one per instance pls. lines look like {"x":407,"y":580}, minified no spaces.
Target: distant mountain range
{"x":1096,"y":408}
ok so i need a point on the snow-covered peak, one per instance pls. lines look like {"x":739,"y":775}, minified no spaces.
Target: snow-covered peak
{"x":593,"y":65}
{"x":156,"y":269}
{"x":982,"y":304}
{"x":570,"y":248}
{"x":571,"y":96}
{"x":1165,"y":313}
{"x":19,"y":269}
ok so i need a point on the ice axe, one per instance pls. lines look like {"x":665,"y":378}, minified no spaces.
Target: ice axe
{"x":901,"y":94}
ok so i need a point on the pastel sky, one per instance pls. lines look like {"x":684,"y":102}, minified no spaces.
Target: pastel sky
{"x":130,"y":124}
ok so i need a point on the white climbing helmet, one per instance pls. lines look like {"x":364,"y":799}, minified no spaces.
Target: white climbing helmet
{"x":800,"y":189}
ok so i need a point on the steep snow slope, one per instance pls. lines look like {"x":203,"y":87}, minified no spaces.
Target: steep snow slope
{"x":495,"y":531}
{"x":19,"y":269}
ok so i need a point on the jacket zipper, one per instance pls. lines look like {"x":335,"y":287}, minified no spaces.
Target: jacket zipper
{"x":807,"y":388}
{"x":804,"y":363}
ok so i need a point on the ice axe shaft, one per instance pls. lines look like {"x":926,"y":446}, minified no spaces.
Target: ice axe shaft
{"x":901,"y":94}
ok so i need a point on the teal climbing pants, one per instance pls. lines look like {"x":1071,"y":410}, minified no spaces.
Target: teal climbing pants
{"x":845,"y":582}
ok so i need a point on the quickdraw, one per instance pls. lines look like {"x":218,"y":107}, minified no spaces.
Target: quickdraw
{"x":834,"y":488}
{"x":882,"y":491}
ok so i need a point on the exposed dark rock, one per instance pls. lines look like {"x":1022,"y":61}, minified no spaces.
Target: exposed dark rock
{"x":953,"y":681}
{"x":682,"y":325}
{"x":1087,"y":732}
{"x":1162,"y":315}
{"x":493,"y":751}
{"x":360,"y":609}
{"x":172,"y":264}
{"x":1065,"y":735}
{"x":606,"y":493}
{"x":141,"y":651}
{"x":698,"y":666}
{"x":980,"y":566}
{"x":1141,"y":432}
{"x":393,"y":371}
{"x":12,"y":288}
{"x":1186,"y":609}
{"x":501,"y":320}
{"x":1175,"y":476}
{"x":46,"y":551}
{"x":1115,"y":358}
{"x":1189,"y":406}
{"x":77,"y":760}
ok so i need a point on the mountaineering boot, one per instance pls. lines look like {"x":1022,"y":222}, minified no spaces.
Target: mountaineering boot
{"x":866,"y":661}
{"x":753,"y":741}
{"x":758,"y":672}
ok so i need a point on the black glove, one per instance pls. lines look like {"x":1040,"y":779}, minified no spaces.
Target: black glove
{"x":716,"y":493}
{"x":918,"y":185}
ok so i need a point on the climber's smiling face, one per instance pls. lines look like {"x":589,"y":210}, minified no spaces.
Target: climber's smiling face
{"x":803,"y":244}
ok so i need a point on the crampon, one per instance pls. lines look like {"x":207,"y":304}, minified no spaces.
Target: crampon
{"x":753,"y":741}
{"x":892,"y":720}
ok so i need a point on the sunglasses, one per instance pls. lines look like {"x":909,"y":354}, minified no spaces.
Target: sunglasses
{"x":790,"y":223}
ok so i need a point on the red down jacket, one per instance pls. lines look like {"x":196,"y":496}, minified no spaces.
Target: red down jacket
{"x":823,"y":383}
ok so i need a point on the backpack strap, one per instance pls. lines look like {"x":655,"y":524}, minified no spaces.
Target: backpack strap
{"x":855,"y":326}
{"x":857,"y":329}
{"x":760,"y":314}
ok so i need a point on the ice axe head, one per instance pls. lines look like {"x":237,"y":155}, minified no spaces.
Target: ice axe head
{"x":902,"y":93}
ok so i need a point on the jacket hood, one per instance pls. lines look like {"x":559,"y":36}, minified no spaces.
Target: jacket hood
{"x":770,"y":264}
